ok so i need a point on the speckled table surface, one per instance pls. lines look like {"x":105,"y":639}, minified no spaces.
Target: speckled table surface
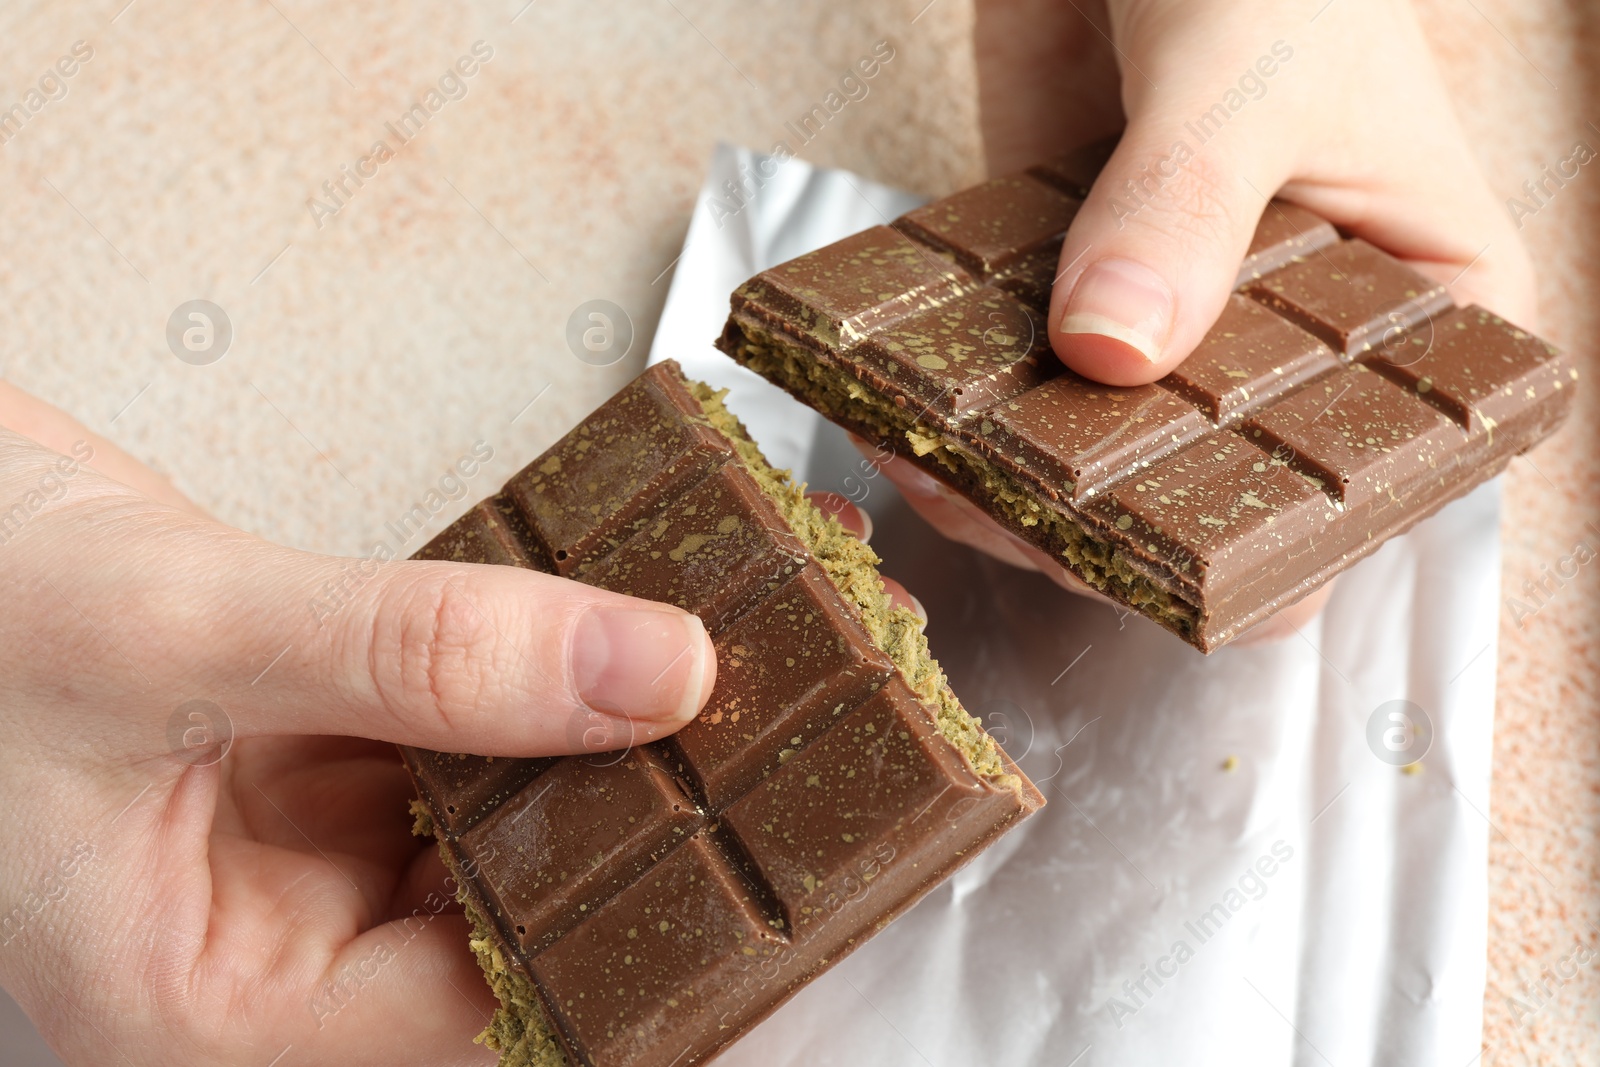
{"x":376,"y":343}
{"x":1526,"y":92}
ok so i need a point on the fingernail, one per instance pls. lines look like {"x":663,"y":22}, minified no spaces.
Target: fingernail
{"x":642,"y":663}
{"x":864,"y":535}
{"x":1125,"y":301}
{"x":918,"y":610}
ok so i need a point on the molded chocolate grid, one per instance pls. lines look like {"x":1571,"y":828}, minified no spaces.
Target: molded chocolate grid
{"x":652,"y":895}
{"x":1457,"y":392}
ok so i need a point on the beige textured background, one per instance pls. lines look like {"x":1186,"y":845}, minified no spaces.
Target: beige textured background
{"x":1523,"y":80}
{"x":431,"y":309}
{"x":371,"y":352}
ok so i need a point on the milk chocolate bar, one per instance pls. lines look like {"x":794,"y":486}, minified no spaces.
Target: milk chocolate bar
{"x":1340,"y":398}
{"x":648,"y":906}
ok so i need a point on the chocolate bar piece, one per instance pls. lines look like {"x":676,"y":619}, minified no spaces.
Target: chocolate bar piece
{"x":648,"y":906}
{"x":1340,"y":397}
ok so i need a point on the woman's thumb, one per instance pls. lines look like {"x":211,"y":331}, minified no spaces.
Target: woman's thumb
{"x":493,"y":660}
{"x":147,"y":608}
{"x":1151,"y":257}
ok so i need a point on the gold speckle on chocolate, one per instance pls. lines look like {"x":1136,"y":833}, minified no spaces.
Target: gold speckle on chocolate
{"x":1290,"y":364}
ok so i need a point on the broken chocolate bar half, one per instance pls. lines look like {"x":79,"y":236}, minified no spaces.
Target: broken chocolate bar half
{"x":646,"y":907}
{"x":1340,"y":397}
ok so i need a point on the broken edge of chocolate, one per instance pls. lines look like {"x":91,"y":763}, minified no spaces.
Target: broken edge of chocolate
{"x":648,"y":906}
{"x":1340,"y":398}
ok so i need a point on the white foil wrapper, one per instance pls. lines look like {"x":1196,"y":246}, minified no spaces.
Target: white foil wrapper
{"x":1235,"y":867}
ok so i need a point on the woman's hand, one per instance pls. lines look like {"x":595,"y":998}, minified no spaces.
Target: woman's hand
{"x":159,"y":907}
{"x":1338,"y":108}
{"x":1334,"y":105}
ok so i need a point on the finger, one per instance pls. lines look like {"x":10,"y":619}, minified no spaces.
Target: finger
{"x":1456,"y":235}
{"x":423,"y":877}
{"x":850,"y":516}
{"x":1151,"y":258}
{"x":319,"y":819}
{"x":333,"y":796}
{"x":408,"y":992}
{"x":1406,"y":179}
{"x":147,"y":607}
{"x":498,"y":661}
